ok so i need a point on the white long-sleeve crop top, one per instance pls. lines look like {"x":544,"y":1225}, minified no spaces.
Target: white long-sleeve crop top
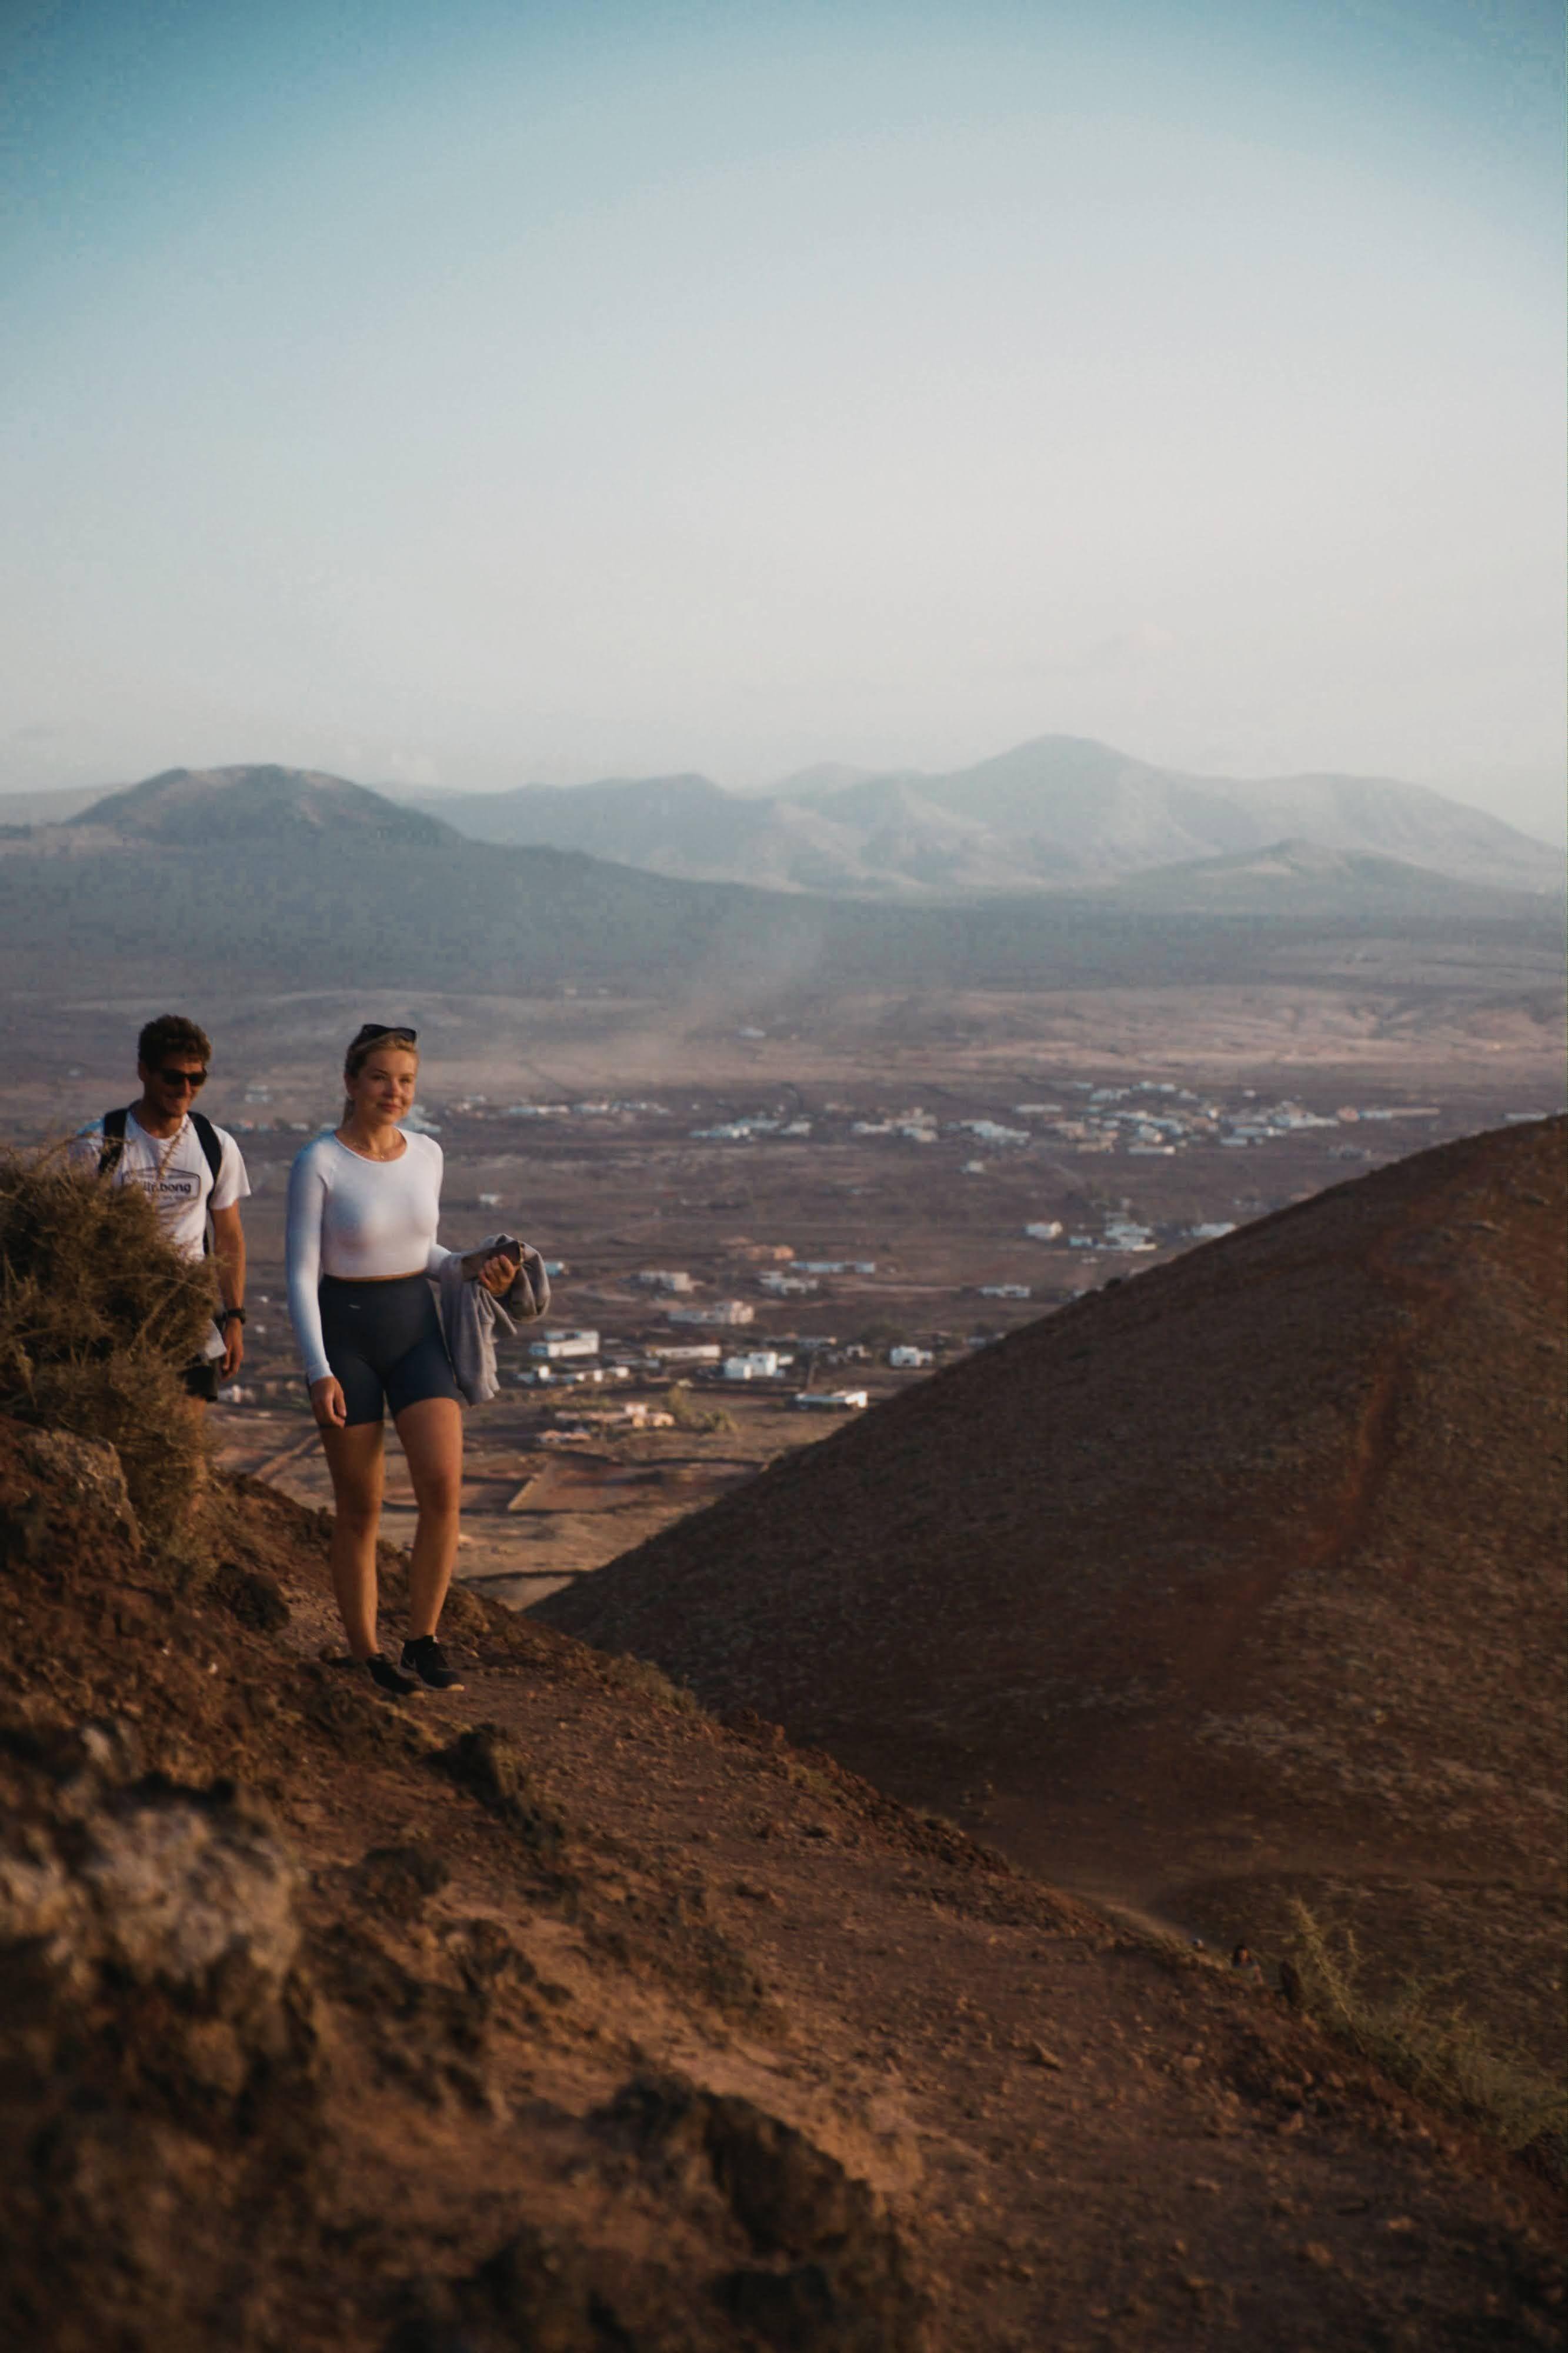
{"x":357,"y":1218}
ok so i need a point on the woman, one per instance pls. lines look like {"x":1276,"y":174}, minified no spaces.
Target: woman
{"x":363,"y":1201}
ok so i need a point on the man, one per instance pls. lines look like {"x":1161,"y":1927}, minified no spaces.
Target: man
{"x":192,"y":1171}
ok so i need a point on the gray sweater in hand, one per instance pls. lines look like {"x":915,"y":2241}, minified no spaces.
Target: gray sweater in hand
{"x":470,"y":1315}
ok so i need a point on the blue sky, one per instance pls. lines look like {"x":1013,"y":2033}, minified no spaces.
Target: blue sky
{"x":473,"y":394}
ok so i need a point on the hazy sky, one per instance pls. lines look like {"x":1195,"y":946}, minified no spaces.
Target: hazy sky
{"x":471,"y":392}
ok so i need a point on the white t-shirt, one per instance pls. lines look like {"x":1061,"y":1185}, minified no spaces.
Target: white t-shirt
{"x":184,"y":1192}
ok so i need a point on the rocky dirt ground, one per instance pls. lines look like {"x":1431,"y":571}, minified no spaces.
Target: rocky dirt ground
{"x":1241,"y":1581}
{"x":556,"y":2015}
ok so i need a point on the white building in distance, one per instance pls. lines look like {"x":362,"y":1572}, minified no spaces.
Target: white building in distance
{"x":759,"y":1364}
{"x":1123,"y":1234}
{"x":556,"y":1348}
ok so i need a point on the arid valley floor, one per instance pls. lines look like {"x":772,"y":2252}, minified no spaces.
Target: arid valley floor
{"x":589,"y":1128}
{"x":916,"y":1138}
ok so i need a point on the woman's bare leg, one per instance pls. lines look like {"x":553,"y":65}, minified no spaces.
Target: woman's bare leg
{"x":431,"y":1437}
{"x":355,"y":1460}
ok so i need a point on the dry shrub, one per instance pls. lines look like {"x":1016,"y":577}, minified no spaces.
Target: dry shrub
{"x":686,"y":1414}
{"x":646,"y":1677}
{"x":98,"y":1316}
{"x":1428,"y":2043}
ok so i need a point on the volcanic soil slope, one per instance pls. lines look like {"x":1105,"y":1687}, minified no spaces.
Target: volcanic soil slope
{"x":1237,"y":1582}
{"x":553,"y":2017}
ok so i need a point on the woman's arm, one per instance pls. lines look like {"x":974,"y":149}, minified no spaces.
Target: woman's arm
{"x":436,"y":1256}
{"x":307,"y":1200}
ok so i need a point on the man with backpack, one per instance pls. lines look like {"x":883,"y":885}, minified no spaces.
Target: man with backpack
{"x":192,"y":1171}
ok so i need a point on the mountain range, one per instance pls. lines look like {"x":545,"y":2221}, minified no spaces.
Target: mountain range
{"x":1056,"y":814}
{"x":285,"y":875}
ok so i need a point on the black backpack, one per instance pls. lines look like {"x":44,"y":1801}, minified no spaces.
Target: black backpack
{"x":206,"y":1136}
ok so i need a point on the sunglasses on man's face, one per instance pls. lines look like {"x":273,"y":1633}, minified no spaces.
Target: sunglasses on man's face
{"x":178,"y":1078}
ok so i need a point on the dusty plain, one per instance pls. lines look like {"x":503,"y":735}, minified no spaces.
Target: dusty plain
{"x":614,"y":1182}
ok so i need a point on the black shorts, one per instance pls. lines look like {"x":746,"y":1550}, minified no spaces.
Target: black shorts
{"x":384,"y":1343}
{"x":200,"y":1378}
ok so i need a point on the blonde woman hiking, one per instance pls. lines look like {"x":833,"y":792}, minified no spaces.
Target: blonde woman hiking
{"x":363,"y":1203}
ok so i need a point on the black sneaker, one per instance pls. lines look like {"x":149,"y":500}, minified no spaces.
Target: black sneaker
{"x":392,"y":1680}
{"x":424,"y":1658}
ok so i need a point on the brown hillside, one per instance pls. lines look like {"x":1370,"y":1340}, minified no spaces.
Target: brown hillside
{"x":1239,"y":1580}
{"x":553,"y":2017}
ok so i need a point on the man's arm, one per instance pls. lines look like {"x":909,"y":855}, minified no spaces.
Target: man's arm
{"x":228,"y":1249}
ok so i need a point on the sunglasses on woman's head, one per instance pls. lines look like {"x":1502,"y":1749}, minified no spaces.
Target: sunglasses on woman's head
{"x":192,"y":1078}
{"x":370,"y":1030}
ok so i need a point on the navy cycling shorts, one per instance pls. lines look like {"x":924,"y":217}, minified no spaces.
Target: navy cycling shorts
{"x":384,"y":1343}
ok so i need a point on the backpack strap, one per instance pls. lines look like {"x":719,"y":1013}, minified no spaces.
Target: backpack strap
{"x":212,"y":1153}
{"x":113,"y":1142}
{"x":206,"y":1136}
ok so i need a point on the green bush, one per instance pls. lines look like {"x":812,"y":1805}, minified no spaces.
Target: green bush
{"x":1428,"y":2044}
{"x":98,"y":1315}
{"x":687,"y":1414}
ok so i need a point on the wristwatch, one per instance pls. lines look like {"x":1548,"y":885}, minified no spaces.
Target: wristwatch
{"x":230,"y":1315}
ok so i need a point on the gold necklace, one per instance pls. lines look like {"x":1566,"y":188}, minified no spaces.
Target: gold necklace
{"x":169,"y":1151}
{"x":374,"y":1157}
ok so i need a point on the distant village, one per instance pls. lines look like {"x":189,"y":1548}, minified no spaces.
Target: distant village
{"x":695,"y":1326}
{"x":1144,"y":1119}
